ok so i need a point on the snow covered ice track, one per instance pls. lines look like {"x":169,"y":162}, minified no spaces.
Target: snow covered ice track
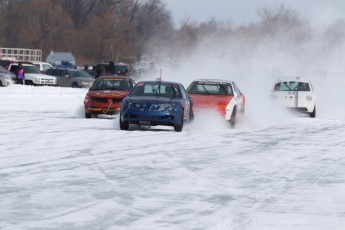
{"x":61,"y":171}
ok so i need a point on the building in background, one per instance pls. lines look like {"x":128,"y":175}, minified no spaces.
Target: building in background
{"x":61,"y":58}
{"x":20,"y":54}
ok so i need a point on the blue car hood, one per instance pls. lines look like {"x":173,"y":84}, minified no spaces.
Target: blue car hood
{"x":154,"y":103}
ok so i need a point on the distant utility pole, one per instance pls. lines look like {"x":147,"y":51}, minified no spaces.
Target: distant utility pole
{"x":117,"y":55}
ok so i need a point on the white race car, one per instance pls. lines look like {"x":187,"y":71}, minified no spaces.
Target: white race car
{"x":295,"y":93}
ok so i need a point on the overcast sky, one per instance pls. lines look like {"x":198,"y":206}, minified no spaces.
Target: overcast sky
{"x":241,"y":12}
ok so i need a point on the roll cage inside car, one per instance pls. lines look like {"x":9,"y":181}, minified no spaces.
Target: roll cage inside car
{"x":211,"y":88}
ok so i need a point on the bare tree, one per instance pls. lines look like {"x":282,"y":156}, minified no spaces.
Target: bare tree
{"x":150,"y":21}
{"x":42,"y":27}
{"x":13,"y":20}
{"x":81,"y":10}
{"x":279,"y":19}
{"x":187,"y":36}
{"x":48,"y":26}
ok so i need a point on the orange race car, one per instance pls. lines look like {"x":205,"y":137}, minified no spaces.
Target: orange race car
{"x":106,"y":94}
{"x":222,"y":96}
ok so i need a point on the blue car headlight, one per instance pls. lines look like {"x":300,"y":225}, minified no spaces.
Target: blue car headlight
{"x":164,"y":107}
{"x":129,"y":104}
{"x":125,"y":104}
{"x":176,"y":106}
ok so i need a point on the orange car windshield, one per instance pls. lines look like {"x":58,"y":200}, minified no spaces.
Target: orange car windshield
{"x":112,"y":84}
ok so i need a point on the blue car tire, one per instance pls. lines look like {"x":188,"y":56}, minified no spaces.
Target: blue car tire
{"x":124,"y":125}
{"x":179,"y":127}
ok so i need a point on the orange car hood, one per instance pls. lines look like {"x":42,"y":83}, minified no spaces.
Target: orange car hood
{"x":108,"y":93}
{"x":210,"y":100}
{"x":214,"y":102}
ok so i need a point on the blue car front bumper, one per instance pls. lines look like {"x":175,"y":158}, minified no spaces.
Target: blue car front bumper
{"x":170,"y":118}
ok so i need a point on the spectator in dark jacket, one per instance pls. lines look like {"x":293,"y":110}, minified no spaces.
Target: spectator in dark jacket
{"x":112,"y":69}
{"x":100,"y":71}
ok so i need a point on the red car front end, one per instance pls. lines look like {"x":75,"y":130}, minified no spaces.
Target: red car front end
{"x":106,"y":102}
{"x":106,"y":95}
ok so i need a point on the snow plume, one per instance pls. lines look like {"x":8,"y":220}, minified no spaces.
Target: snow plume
{"x":281,"y":44}
{"x":209,"y":121}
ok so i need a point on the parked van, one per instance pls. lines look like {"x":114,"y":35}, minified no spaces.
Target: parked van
{"x":75,"y":78}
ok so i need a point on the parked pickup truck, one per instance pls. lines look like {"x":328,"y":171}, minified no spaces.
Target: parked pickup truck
{"x":33,"y":76}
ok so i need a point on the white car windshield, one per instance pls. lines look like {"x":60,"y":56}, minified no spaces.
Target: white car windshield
{"x":30,"y":69}
{"x":291,"y":86}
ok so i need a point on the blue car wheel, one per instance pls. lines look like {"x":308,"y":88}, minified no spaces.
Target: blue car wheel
{"x":124,"y":125}
{"x":179,"y":127}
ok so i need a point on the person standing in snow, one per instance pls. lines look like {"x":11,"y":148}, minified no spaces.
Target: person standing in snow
{"x":100,"y":71}
{"x":112,"y":68}
{"x":20,"y":74}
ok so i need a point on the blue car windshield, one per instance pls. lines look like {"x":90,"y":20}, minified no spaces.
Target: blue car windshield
{"x":161,"y":89}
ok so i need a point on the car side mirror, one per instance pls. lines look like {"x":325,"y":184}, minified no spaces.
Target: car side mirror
{"x":67,"y":76}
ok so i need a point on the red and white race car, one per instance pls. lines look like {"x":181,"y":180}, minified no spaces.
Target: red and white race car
{"x":106,"y":94}
{"x":222,"y":96}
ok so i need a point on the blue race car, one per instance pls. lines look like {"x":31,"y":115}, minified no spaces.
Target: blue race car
{"x":156,"y":103}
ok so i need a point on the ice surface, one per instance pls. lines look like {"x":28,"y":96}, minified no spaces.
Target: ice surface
{"x":59,"y":170}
